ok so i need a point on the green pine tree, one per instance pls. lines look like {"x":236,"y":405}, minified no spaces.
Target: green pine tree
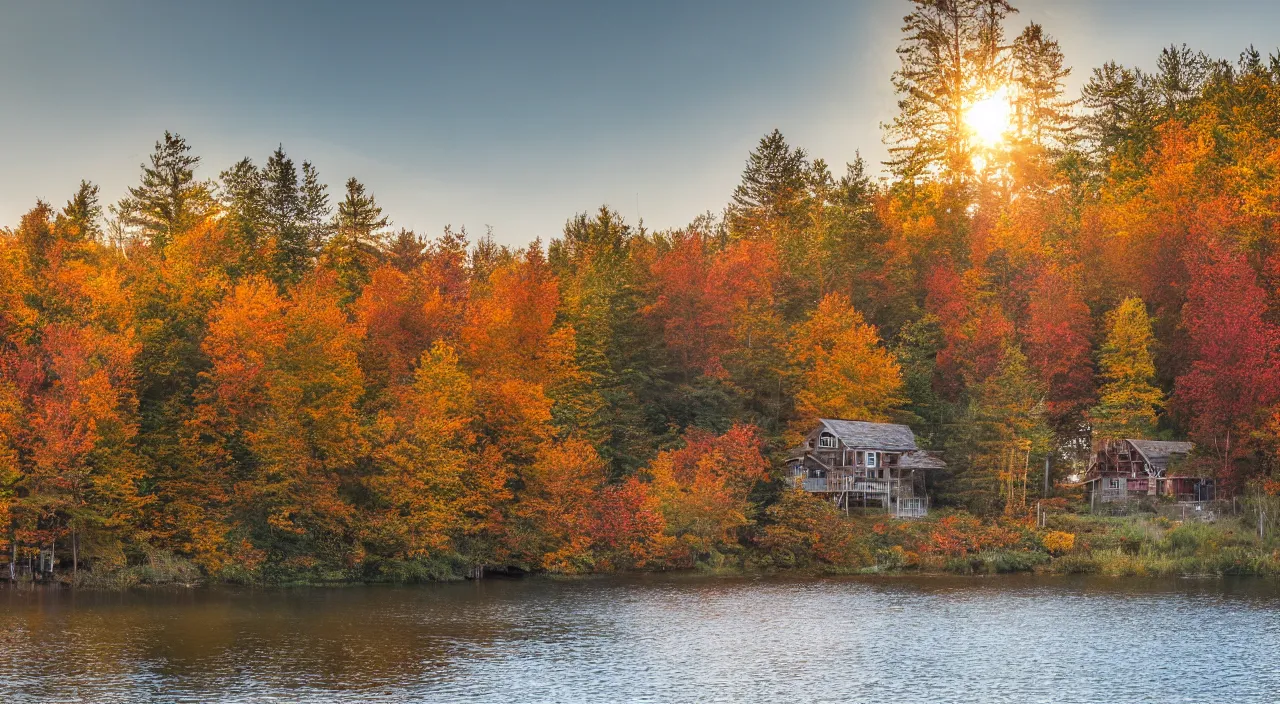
{"x":169,"y":199}
{"x":774,"y":182}
{"x":80,"y":219}
{"x":407,"y":251}
{"x":1044,"y":114}
{"x":1120,"y":114}
{"x":241,"y":195}
{"x":292,"y":242}
{"x":355,"y":249}
{"x":315,"y":215}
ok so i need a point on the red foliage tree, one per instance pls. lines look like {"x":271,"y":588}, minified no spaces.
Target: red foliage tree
{"x":1059,"y":347}
{"x":974,"y":328}
{"x":1235,"y":370}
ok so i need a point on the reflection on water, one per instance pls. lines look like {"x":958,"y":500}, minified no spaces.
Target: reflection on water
{"x":653,"y":639}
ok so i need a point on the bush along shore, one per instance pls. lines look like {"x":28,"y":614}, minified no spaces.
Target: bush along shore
{"x":1143,"y":544}
{"x":804,"y":535}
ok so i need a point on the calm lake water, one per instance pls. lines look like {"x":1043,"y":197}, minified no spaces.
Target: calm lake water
{"x":653,"y":639}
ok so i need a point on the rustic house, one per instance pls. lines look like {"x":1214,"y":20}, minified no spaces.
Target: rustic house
{"x":1121,"y":470}
{"x":857,"y":463}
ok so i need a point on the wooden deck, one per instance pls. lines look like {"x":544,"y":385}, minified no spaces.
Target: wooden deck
{"x":849,"y":487}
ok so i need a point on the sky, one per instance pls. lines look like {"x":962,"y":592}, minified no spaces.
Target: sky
{"x":509,"y":115}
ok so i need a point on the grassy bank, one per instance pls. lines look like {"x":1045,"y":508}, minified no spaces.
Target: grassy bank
{"x":1132,"y":546}
{"x":815,"y":539}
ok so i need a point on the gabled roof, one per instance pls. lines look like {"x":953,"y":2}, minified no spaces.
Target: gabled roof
{"x":919,"y":459}
{"x":872,"y":436}
{"x":1159,"y":452}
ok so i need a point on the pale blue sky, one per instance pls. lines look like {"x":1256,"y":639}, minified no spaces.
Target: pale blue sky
{"x":510,"y":114}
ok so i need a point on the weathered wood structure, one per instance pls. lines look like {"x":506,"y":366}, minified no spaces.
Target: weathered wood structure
{"x":858,"y":463}
{"x":1122,"y":470}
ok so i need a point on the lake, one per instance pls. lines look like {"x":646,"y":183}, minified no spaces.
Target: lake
{"x":653,"y":639}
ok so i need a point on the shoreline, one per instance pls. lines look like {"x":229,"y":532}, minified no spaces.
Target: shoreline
{"x":1047,"y":570}
{"x":948,"y":543}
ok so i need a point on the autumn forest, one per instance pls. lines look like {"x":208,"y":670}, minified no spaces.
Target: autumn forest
{"x":235,"y":368}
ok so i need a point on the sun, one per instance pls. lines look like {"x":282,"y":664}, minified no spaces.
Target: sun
{"x":989,"y":118}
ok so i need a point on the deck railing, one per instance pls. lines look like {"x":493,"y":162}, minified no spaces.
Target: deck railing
{"x":1108,"y":494}
{"x":840,"y":482}
{"x":911,"y":508}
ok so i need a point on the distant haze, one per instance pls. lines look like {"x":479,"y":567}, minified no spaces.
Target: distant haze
{"x":513,"y":115}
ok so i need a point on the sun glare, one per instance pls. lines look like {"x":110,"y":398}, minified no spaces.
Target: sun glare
{"x":989,"y":118}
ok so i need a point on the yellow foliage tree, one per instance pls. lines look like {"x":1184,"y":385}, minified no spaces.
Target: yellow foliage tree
{"x":428,"y":446}
{"x":840,"y":367}
{"x":1128,"y":401}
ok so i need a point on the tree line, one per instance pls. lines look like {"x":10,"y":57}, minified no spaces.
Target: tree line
{"x":245,"y":373}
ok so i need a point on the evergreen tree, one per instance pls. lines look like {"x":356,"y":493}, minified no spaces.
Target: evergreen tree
{"x":1181,"y":77}
{"x":79,"y":220}
{"x":846,"y":240}
{"x":243,"y":200}
{"x":407,"y":251}
{"x":1120,"y":121}
{"x":601,"y":303}
{"x":774,"y":185}
{"x":315,"y":207}
{"x":953,"y":51}
{"x":1128,"y":401}
{"x":1044,"y":114}
{"x":916,"y":349}
{"x":169,"y":198}
{"x":284,"y":207}
{"x":355,"y":249}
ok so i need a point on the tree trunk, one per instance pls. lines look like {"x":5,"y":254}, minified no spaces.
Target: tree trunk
{"x":75,"y":556}
{"x":13,"y":550}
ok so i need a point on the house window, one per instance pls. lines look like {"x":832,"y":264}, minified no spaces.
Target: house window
{"x":891,"y":460}
{"x":827,"y":440}
{"x":857,"y":457}
{"x":1114,"y":484}
{"x":873,"y":459}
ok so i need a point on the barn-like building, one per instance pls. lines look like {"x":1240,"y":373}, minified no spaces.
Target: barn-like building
{"x":1127,"y":469}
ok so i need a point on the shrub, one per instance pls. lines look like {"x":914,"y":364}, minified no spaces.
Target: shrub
{"x":1058,"y":542}
{"x":896,"y":558}
{"x":809,"y":532}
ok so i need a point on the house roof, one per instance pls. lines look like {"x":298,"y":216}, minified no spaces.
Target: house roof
{"x":919,"y":459}
{"x":1159,"y":452}
{"x":873,"y":436}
